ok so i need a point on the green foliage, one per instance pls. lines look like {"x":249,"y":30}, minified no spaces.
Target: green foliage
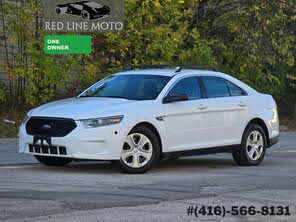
{"x":8,"y":130}
{"x":2,"y":95}
{"x":44,"y":74}
{"x":253,"y":40}
{"x":157,"y":32}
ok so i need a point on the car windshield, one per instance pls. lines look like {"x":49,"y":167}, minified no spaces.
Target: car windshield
{"x":131,"y":87}
{"x":93,"y":4}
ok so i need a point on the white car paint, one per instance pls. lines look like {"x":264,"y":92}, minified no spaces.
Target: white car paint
{"x":187,"y":125}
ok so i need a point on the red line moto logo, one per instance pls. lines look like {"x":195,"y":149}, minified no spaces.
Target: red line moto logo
{"x":87,"y":10}
{"x":84,"y":16}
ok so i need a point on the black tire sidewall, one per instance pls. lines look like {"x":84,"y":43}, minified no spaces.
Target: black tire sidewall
{"x":58,"y":11}
{"x":247,"y":132}
{"x":155,"y":153}
{"x":89,"y":15}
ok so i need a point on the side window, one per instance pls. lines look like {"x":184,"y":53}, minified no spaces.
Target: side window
{"x":189,"y":86}
{"x":235,"y":90}
{"x":77,"y":6}
{"x":216,"y":87}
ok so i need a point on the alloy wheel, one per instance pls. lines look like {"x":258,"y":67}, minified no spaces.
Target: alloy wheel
{"x":137,"y":150}
{"x":255,"y":145}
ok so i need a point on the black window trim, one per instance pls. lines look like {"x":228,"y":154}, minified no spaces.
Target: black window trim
{"x":202,"y":92}
{"x":226,"y":80}
{"x":243,"y":91}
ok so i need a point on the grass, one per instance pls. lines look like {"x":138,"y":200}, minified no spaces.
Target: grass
{"x":8,"y":130}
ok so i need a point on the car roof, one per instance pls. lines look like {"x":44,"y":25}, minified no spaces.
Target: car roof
{"x":171,"y":72}
{"x":81,"y":2}
{"x":187,"y":72}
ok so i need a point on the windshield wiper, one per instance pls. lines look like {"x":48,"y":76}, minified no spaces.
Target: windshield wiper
{"x":119,"y":97}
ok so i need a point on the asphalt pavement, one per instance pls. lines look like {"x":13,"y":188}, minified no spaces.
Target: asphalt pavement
{"x":96,"y":191}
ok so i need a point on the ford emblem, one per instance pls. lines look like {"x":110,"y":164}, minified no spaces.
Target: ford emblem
{"x":46,"y":127}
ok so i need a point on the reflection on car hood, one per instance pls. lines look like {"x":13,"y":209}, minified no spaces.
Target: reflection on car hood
{"x":79,"y":108}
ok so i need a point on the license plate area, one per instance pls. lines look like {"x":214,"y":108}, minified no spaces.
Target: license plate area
{"x":49,"y":150}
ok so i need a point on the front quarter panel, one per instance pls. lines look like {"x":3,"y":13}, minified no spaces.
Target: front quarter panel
{"x":145,"y":112}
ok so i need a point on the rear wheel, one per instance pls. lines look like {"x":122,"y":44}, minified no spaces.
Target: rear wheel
{"x":140,"y":151}
{"x":253,"y":147}
{"x":53,"y":161}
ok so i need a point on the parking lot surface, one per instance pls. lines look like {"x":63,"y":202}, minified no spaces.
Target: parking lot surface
{"x":96,"y":191}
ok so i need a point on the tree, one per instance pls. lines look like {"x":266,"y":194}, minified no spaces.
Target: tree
{"x":33,"y":76}
{"x":253,"y":40}
{"x":156,"y":32}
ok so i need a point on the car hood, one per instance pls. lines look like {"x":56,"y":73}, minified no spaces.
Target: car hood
{"x":82,"y":108}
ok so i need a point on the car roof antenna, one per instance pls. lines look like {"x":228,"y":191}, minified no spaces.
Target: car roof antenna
{"x":178,"y":69}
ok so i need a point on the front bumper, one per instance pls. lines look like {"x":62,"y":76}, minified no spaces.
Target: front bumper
{"x":101,"y":143}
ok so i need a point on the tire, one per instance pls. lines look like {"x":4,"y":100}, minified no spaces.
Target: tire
{"x":253,"y":147}
{"x":140,"y":151}
{"x":61,"y":10}
{"x":53,"y":161}
{"x":85,"y":15}
{"x":173,"y":158}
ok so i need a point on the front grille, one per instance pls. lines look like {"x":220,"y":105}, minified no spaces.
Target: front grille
{"x":53,"y":150}
{"x":48,"y":126}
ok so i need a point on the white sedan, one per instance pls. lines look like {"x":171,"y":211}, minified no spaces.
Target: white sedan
{"x":137,"y":117}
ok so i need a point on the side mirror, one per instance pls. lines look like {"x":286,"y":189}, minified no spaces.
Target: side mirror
{"x":175,"y":98}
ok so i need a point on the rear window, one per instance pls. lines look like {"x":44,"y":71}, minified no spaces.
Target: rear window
{"x":235,"y":90}
{"x":216,"y":87}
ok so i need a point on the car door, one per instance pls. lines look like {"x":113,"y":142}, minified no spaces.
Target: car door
{"x":226,"y":112}
{"x":182,"y":118}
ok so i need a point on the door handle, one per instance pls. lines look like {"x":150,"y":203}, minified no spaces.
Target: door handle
{"x":202,"y":107}
{"x":242,"y":104}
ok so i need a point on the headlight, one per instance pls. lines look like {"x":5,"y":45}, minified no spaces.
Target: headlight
{"x":25,"y":119}
{"x":91,"y":123}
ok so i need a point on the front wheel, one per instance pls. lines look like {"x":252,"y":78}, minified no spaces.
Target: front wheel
{"x":140,"y":151}
{"x":61,"y":10}
{"x":53,"y":161}
{"x":253,"y":147}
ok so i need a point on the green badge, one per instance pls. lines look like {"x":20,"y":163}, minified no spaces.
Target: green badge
{"x":67,"y":44}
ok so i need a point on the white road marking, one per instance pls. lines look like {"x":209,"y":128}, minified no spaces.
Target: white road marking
{"x":16,"y":167}
{"x":283,"y":151}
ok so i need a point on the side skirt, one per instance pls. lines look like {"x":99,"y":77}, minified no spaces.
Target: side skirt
{"x":198,"y":152}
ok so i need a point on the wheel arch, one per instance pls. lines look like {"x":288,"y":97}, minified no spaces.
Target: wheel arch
{"x":153,"y":129}
{"x":261,"y":123}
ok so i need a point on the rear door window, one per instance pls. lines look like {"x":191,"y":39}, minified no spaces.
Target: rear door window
{"x":216,"y":87}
